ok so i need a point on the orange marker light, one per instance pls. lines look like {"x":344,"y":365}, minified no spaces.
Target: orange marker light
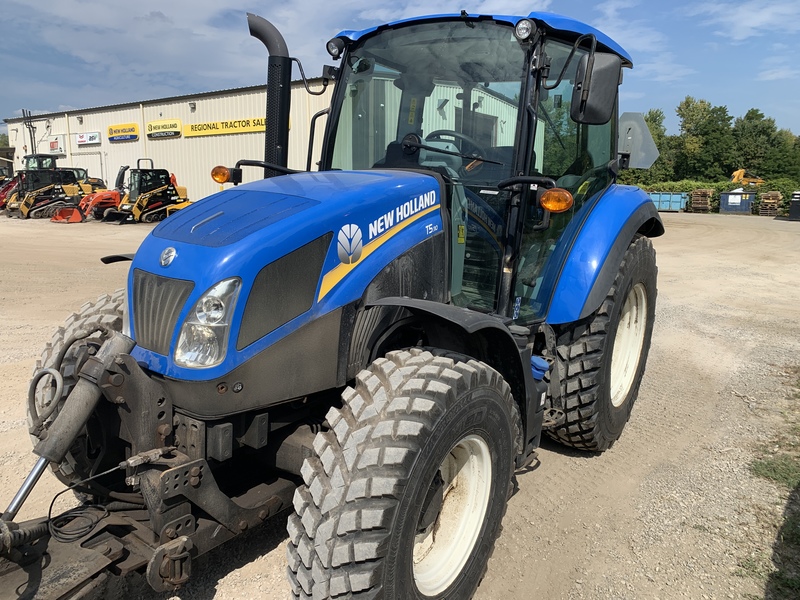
{"x":557,"y":200}
{"x":221,"y":174}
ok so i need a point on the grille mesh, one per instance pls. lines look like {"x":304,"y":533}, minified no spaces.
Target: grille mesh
{"x":157,"y":302}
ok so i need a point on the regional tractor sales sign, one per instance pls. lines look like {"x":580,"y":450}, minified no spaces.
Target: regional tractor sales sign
{"x":225,"y":127}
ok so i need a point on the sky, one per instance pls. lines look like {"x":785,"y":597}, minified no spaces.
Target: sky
{"x":59,"y":55}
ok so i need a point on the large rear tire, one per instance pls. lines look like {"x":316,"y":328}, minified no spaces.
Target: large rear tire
{"x":89,"y":448}
{"x":602,"y":358}
{"x":406,"y":493}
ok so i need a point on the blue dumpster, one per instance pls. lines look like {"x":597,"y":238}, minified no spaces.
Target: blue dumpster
{"x":669,"y":201}
{"x":737,"y":203}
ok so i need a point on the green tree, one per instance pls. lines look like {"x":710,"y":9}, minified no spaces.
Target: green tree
{"x":3,"y":140}
{"x":781,"y":156}
{"x":705,"y":146}
{"x":754,"y":136}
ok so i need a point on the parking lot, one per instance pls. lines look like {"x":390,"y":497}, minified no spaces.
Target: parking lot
{"x":671,"y":511}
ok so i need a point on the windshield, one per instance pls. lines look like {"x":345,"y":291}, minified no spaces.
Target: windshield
{"x":456,"y":84}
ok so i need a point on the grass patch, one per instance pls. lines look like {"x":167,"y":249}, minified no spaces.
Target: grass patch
{"x":755,"y":567}
{"x":779,"y":461}
{"x":782,"y":468}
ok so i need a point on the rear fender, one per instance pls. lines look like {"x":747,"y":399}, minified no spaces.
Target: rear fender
{"x":597,"y":251}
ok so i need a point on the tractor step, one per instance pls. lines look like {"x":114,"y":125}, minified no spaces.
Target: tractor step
{"x":553,"y":417}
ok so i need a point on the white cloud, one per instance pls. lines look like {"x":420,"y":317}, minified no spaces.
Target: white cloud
{"x":739,"y":21}
{"x":634,"y":35}
{"x":662,"y":67}
{"x":777,"y":68}
{"x":648,"y":46}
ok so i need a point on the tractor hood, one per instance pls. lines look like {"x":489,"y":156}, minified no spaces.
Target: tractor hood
{"x":359,"y":220}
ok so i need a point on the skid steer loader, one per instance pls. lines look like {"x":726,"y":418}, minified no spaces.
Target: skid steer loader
{"x":150,"y":193}
{"x":377,"y":346}
{"x":42,"y":193}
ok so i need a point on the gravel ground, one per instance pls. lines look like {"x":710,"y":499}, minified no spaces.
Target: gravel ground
{"x":671,"y":511}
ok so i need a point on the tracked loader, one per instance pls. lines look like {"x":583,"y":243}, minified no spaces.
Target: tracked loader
{"x":42,"y":193}
{"x":376,"y":347}
{"x":150,"y":192}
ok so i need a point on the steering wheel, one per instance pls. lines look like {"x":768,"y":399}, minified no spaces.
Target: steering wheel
{"x":479,"y":151}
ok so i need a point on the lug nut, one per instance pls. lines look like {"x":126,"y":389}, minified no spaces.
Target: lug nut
{"x":195,"y":472}
{"x":170,"y":533}
{"x":194,"y":481}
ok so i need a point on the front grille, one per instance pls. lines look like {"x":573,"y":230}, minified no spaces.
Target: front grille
{"x":157,"y":302}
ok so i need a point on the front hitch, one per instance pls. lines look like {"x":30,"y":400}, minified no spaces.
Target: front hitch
{"x":72,"y":417}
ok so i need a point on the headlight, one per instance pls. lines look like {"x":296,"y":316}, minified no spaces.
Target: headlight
{"x":203,"y":340}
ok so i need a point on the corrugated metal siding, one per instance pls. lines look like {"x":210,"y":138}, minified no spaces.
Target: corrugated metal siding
{"x":189,"y":158}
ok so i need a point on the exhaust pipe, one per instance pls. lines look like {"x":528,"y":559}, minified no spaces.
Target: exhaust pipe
{"x":279,"y":79}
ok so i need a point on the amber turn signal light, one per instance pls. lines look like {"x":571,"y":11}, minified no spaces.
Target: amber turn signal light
{"x":556,"y":200}
{"x":221,"y":174}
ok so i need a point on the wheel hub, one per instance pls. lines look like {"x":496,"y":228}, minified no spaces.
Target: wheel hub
{"x":628,"y":344}
{"x":452,"y":516}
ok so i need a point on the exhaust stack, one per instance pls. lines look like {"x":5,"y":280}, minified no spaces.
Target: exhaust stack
{"x":279,"y":74}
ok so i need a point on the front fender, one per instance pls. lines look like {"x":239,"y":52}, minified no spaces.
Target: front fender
{"x":597,"y":251}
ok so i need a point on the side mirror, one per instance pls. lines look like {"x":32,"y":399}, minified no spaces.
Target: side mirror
{"x":637,"y":149}
{"x":595,"y":93}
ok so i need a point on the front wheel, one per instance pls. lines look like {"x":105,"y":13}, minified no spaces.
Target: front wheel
{"x":70,"y":346}
{"x":407,"y":490}
{"x":602,"y":358}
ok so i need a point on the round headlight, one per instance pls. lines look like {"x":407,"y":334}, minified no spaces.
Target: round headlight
{"x":210,"y":310}
{"x":524,"y":29}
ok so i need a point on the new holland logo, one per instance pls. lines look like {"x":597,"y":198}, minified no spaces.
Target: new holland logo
{"x":350,"y":244}
{"x":167,"y":256}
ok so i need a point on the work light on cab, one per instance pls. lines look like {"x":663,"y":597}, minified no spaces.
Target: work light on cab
{"x":335,"y":47}
{"x":524,"y":29}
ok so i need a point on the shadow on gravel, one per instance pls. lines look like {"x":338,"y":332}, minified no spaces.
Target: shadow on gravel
{"x":209,"y":569}
{"x":784,"y":582}
{"x":552,"y":446}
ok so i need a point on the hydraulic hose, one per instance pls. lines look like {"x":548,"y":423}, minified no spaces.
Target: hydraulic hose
{"x":80,"y":404}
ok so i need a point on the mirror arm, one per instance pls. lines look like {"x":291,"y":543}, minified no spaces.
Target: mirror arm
{"x":305,"y":81}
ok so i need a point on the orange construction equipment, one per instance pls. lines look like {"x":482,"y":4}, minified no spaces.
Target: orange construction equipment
{"x":68,"y":215}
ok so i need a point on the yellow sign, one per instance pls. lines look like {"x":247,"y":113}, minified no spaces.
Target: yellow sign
{"x":225,"y":127}
{"x":123,"y":133}
{"x":164,"y":129}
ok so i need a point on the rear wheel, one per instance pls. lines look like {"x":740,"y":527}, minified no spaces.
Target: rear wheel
{"x":407,"y":490}
{"x":602,"y":358}
{"x":82,"y":338}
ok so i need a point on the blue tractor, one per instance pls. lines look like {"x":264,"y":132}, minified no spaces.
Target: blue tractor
{"x":378,"y":344}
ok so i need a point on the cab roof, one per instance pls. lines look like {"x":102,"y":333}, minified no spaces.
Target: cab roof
{"x":551,"y":21}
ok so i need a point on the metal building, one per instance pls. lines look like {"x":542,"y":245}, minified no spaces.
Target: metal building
{"x":187,"y":135}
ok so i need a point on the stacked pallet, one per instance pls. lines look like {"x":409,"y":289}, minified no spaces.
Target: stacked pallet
{"x":769,"y":204}
{"x":701,"y":200}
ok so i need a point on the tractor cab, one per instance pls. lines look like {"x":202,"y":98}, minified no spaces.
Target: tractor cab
{"x":518,"y":122}
{"x":32,"y":162}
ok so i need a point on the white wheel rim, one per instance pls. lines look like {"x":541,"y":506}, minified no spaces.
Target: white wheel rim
{"x":628,"y":344}
{"x":440,"y":555}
